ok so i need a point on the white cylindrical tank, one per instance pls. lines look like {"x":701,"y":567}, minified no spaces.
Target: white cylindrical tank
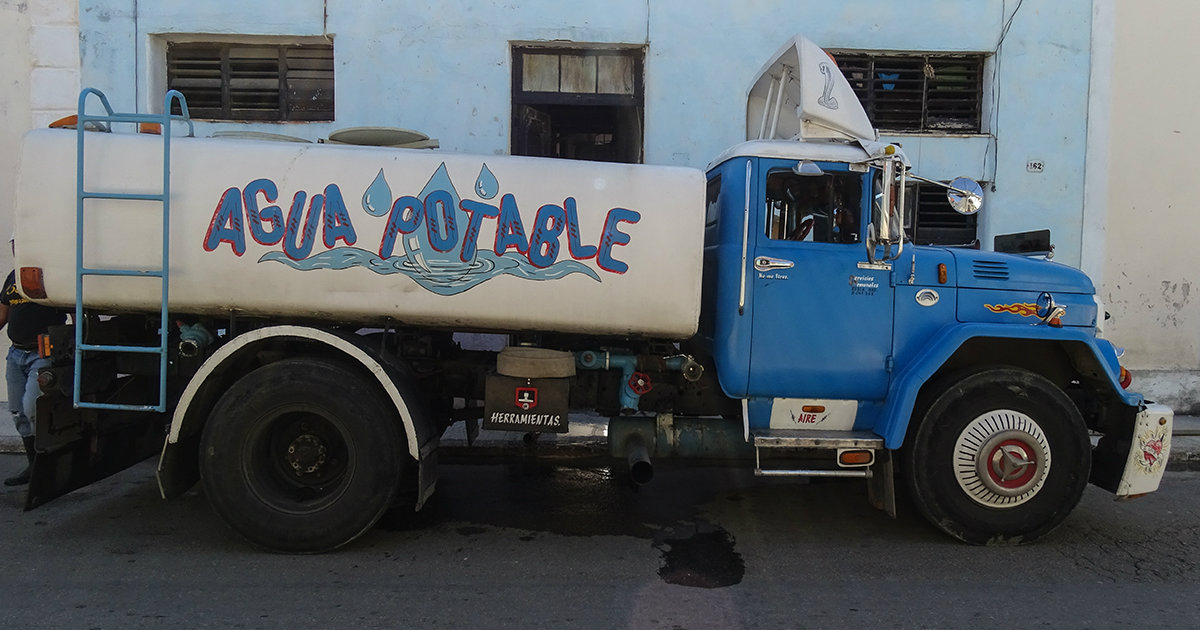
{"x":360,"y":234}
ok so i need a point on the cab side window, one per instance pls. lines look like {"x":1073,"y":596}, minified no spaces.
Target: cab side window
{"x":819,"y":209}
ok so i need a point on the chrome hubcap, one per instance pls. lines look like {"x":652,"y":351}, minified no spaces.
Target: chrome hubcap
{"x":1001,"y":458}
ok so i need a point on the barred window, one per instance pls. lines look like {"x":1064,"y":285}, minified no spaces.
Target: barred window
{"x":923,"y":92}
{"x":931,"y":220}
{"x":253,"y":82}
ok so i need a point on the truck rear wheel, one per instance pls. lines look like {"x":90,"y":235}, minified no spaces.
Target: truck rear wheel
{"x":1000,"y":457}
{"x":301,"y":455}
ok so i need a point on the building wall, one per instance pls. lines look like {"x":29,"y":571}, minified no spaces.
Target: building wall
{"x":39,"y":68}
{"x":16,"y":62}
{"x":1144,"y":250}
{"x":39,"y":75}
{"x":444,"y":68}
{"x":1064,"y":81}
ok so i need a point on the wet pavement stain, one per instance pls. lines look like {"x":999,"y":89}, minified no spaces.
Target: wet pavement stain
{"x":537,"y":498}
{"x":705,"y":559}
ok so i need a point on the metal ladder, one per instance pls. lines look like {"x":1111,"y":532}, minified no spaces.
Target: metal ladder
{"x":163,"y":198}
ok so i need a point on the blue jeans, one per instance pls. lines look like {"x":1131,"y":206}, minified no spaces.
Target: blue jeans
{"x":23,"y":391}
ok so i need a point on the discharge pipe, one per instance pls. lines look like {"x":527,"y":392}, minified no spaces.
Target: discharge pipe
{"x":193,"y":339}
{"x":640,"y":468}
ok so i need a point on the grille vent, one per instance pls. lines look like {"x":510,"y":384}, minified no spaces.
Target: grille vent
{"x":991,"y":270}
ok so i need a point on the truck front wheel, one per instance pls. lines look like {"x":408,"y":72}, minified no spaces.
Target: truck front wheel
{"x":301,"y":456}
{"x":1000,"y":457}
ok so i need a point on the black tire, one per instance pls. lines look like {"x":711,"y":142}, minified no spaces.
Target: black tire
{"x":301,"y":456}
{"x":1000,"y":457}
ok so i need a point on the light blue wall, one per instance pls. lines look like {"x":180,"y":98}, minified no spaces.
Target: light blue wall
{"x":444,"y":68}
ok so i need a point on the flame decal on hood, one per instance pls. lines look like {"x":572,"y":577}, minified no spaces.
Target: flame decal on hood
{"x":1024,"y":310}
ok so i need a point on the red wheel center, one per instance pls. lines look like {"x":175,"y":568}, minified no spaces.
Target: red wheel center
{"x":1012,"y":464}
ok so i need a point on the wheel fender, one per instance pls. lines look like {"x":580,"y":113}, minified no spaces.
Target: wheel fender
{"x":422,"y":438}
{"x":902,"y":394}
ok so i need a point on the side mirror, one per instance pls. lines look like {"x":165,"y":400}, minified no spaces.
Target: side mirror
{"x":965,"y":195}
{"x":885,"y":229}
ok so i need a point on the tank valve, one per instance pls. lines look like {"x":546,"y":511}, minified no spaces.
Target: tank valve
{"x":687,"y":366}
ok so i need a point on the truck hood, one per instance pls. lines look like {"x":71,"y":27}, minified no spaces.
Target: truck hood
{"x":1004,"y":289}
{"x":1008,"y":272}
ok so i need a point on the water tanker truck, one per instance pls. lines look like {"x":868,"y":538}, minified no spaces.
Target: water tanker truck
{"x":290,"y":324}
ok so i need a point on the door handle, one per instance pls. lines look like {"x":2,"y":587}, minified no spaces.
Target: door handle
{"x":766,"y":263}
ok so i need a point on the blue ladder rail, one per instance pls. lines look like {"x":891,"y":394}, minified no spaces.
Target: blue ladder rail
{"x":164,"y":121}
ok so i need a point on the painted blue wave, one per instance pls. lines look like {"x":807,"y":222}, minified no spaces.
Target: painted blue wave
{"x":442,"y":278}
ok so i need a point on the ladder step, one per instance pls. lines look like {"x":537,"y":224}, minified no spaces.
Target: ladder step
{"x":116,"y":407}
{"x":148,"y":273}
{"x":128,"y":196}
{"x":137,"y":117}
{"x":87,"y":347}
{"x":857,"y":473}
{"x":799,"y":438}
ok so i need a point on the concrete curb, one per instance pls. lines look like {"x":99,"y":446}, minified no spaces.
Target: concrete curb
{"x":11,"y":444}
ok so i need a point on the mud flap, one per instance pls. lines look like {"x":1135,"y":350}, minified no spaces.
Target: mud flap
{"x":427,"y":473}
{"x":881,"y":487}
{"x":76,"y":447}
{"x":1131,"y":462}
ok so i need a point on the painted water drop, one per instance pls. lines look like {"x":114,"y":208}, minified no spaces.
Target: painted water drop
{"x":377,"y":199}
{"x":486,"y":185}
{"x":435,"y":247}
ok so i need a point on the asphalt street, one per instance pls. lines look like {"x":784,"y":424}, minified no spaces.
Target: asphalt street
{"x":536,"y":546}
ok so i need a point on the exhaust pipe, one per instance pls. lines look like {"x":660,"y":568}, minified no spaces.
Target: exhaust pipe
{"x":640,"y":468}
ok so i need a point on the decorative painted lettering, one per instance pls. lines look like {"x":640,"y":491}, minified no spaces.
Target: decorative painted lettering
{"x":432,"y":236}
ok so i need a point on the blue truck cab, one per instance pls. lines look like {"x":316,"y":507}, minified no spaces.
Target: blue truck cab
{"x":983,"y":373}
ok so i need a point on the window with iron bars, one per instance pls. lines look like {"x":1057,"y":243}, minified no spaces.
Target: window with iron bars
{"x":930,"y":220}
{"x":253,"y":82}
{"x":918,"y":92}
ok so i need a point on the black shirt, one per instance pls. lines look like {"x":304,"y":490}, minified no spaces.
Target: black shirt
{"x":26,"y":318}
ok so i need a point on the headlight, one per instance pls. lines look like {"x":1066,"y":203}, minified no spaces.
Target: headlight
{"x":1100,"y":315}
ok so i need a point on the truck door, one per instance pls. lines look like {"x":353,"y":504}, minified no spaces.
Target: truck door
{"x":821,"y":324}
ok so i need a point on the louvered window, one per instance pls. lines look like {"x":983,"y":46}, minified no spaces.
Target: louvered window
{"x":917,"y":92}
{"x":245,"y":82}
{"x":937,"y":223}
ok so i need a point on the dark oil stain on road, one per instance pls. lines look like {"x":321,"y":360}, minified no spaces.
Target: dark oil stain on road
{"x":704,"y":559}
{"x":545,"y":498}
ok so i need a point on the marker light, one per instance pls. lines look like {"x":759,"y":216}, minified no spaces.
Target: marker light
{"x":855,"y":457}
{"x":943,"y":275}
{"x":1126,"y":378}
{"x":66,"y":122}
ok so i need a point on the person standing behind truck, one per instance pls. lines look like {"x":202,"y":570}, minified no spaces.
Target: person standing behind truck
{"x":25,"y":320}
